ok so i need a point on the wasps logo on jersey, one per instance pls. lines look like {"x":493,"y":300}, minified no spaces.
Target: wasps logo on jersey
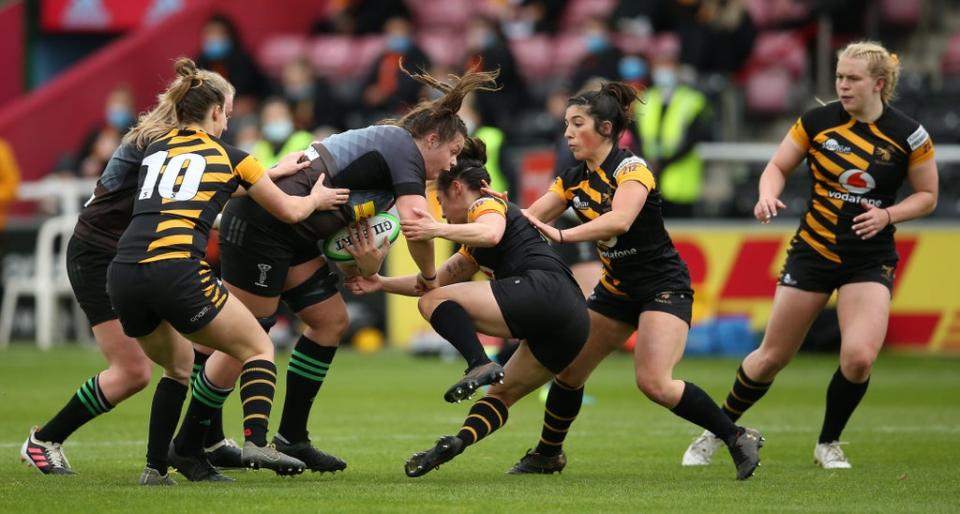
{"x":853,"y":163}
{"x":185,"y":179}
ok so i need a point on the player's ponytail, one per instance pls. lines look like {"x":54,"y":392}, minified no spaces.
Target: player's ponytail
{"x":440,"y":115}
{"x":194,"y":91}
{"x":613,"y":103}
{"x":470,"y":168}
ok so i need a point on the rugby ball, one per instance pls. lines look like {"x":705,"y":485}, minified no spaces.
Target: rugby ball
{"x":384,"y":226}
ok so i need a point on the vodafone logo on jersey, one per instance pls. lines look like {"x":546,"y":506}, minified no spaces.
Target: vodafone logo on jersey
{"x":857,"y":181}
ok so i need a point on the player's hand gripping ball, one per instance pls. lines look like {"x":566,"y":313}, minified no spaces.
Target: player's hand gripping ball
{"x":385,"y":226}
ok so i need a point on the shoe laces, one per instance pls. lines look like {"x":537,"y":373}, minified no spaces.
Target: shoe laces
{"x":833,"y":451}
{"x":54,"y":454}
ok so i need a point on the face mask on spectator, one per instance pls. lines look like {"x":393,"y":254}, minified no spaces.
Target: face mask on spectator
{"x":277,"y":131}
{"x":632,"y":68}
{"x":595,"y":42}
{"x":297,"y":93}
{"x":665,"y":78}
{"x":216,"y":48}
{"x":399,"y":44}
{"x":119,"y":118}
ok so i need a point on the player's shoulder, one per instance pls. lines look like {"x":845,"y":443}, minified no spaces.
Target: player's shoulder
{"x":628,"y":163}
{"x":824,"y":116}
{"x":487,"y":203}
{"x":903,"y":129}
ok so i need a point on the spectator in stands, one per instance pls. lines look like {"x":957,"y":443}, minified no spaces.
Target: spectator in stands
{"x":715,"y":35}
{"x":487,"y":50}
{"x":361,"y":17}
{"x":223,"y":53}
{"x":534,"y":16}
{"x":309,"y":96}
{"x":9,"y":181}
{"x":279,"y":135}
{"x":502,"y":179}
{"x":119,"y":115}
{"x":641,"y":17}
{"x":387,"y":89}
{"x":674,"y":119}
{"x":602,"y":58}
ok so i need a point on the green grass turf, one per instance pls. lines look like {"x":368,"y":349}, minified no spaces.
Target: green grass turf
{"x":377,"y":409}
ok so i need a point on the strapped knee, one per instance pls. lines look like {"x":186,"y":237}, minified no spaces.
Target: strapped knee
{"x":268,"y":322}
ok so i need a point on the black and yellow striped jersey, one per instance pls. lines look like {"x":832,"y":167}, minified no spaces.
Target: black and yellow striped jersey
{"x":521,"y":248}
{"x":643,"y":260}
{"x":852,"y":162}
{"x":185,"y":178}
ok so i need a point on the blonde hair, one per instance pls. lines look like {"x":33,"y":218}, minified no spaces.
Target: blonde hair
{"x":194,"y":91}
{"x":156,"y":122}
{"x":880,"y":63}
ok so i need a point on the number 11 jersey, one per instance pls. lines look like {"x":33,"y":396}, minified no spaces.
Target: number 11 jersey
{"x":185,"y":179}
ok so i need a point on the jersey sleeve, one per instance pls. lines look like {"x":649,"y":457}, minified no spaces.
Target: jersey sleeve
{"x":920,"y":145}
{"x":564,"y":181}
{"x":465,"y":251}
{"x":634,"y":169}
{"x":405,"y":163}
{"x":484,"y":205}
{"x":799,"y":135}
{"x":249,"y":170}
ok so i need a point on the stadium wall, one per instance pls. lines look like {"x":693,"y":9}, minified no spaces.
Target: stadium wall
{"x":60,"y":114}
{"x":11,"y":51}
{"x":734,"y":270}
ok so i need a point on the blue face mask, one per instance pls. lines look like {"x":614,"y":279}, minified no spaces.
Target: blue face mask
{"x":119,"y":118}
{"x":632,"y":68}
{"x":216,"y":48}
{"x":595,"y":43}
{"x":277,"y":131}
{"x":665,"y":78}
{"x":399,"y":44}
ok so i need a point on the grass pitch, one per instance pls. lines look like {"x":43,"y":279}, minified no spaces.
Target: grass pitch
{"x":376,"y":409}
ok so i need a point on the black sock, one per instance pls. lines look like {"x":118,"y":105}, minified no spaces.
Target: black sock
{"x":308,"y":367}
{"x":215,"y":430}
{"x":744,"y":393}
{"x":563,"y":405}
{"x":258,"y":382}
{"x":199,"y":359}
{"x":87,"y":403}
{"x":164,"y":415}
{"x":207,"y":400}
{"x":698,"y":408}
{"x":486,"y":416}
{"x":451,"y":321}
{"x":843,"y":396}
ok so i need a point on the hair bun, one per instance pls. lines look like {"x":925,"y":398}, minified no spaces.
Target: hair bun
{"x":474,"y":149}
{"x":185,"y":67}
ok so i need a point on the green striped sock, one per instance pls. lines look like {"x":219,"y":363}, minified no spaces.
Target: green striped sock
{"x":88,"y":403}
{"x":206,"y":400}
{"x":306,"y":372}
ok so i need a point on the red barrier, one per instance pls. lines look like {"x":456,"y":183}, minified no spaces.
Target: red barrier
{"x":54,"y":119}
{"x":11,"y":51}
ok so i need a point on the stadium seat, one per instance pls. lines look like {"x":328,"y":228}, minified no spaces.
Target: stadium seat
{"x":900,"y":13}
{"x":634,"y":45}
{"x":951,"y":57}
{"x":277,"y":51}
{"x":329,"y":55}
{"x":533,"y":57}
{"x":449,"y":14}
{"x":765,"y":13}
{"x":445,"y":48}
{"x":568,"y":51}
{"x":768,"y":91}
{"x":665,"y":44}
{"x":46,"y":285}
{"x":578,"y":10}
{"x":785,"y":49}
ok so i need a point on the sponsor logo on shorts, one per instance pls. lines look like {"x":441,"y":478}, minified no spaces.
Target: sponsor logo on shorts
{"x":262,"y":281}
{"x":887,"y":272}
{"x":786,"y":279}
{"x":663,"y":298}
{"x":203,"y":312}
{"x":831,"y":145}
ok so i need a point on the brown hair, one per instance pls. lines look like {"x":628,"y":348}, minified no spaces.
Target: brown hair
{"x":470,"y":167}
{"x":880,"y":63}
{"x":611,"y":103}
{"x":194,"y":91}
{"x":152,"y":124}
{"x":440,"y":115}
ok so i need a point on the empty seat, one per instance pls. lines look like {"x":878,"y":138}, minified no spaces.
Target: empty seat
{"x":277,"y":51}
{"x":951,"y":57}
{"x":448,"y":14}
{"x":785,"y":49}
{"x":568,"y":51}
{"x":444,"y":48}
{"x":634,"y":45}
{"x":534,"y":56}
{"x":329,"y":54}
{"x":768,"y":91}
{"x":901,"y":13}
{"x":578,"y":10}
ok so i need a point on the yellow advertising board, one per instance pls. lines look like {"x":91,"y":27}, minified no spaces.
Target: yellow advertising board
{"x":734,"y":270}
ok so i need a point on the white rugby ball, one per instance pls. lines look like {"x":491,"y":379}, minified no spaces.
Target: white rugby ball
{"x":384,"y":226}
